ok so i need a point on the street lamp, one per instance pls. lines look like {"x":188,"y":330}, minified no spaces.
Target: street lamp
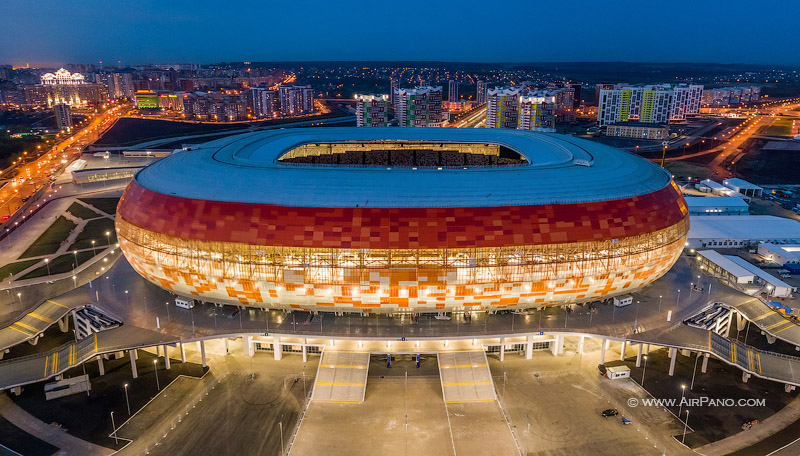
{"x":94,"y":252}
{"x":126,"y":399}
{"x":691,"y":385}
{"x":47,"y":263}
{"x":644,"y":370}
{"x":660,"y":298}
{"x":108,"y":240}
{"x":685,"y":425}
{"x":155,"y":366}
{"x":75,"y":265}
{"x":116,"y":441}
{"x":683,"y":391}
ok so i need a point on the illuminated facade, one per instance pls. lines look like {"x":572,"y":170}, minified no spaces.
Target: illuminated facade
{"x":404,"y":238}
{"x":62,"y":77}
{"x":372,"y":110}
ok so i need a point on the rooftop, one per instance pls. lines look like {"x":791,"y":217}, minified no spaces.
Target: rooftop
{"x":716,"y":201}
{"x":740,"y":184}
{"x":751,"y":227}
{"x":726,"y":263}
{"x":558,"y":169}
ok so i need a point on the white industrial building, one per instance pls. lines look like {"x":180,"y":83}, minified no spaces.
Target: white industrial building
{"x":715,"y":188}
{"x":721,"y":266}
{"x":738,"y":271}
{"x":743,"y":187}
{"x":731,"y":231}
{"x":721,"y":205}
{"x":780,"y":254}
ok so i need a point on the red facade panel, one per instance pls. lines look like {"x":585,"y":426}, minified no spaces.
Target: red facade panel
{"x":400,"y":228}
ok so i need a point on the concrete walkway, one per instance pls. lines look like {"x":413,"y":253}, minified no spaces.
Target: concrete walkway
{"x":67,"y":444}
{"x":772,"y":425}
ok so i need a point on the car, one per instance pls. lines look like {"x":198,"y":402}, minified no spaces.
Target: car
{"x":609,"y":412}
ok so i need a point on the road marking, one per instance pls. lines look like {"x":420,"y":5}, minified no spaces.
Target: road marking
{"x":449,"y":366}
{"x":338,"y":402}
{"x":39,"y":317}
{"x":343,"y":366}
{"x":19,"y":330}
{"x":60,"y":305}
{"x":467,"y":401}
{"x":339,"y":384}
{"x":46,"y":363}
{"x":465,"y":383}
{"x":26,"y":326}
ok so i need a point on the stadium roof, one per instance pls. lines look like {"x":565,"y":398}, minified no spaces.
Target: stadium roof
{"x":749,"y":227}
{"x":559,"y":169}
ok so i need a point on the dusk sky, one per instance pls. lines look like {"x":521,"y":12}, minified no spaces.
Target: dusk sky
{"x":148,"y":31}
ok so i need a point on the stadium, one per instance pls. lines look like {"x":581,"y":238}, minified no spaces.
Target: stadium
{"x":401,"y":220}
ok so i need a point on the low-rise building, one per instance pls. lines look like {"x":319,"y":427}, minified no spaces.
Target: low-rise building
{"x":733,"y":231}
{"x":743,"y":187}
{"x":638,"y":130}
{"x":780,"y":254}
{"x":717,"y":205}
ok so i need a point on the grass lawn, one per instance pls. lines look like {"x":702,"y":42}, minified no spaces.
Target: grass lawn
{"x":95,"y":230}
{"x":107,"y":205}
{"x":81,"y":211}
{"x":15,"y":268}
{"x":51,"y":239}
{"x":781,"y":127}
{"x":60,"y":265}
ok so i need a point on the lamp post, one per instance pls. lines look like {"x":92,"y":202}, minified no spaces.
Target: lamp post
{"x":683,"y":391}
{"x":644,"y":370}
{"x":114,"y":426}
{"x":108,"y":239}
{"x":94,"y":251}
{"x":75,"y":265}
{"x":685,"y":425}
{"x":155,"y":366}
{"x":678,"y":301}
{"x":126,"y":399}
{"x":47,"y":263}
{"x":660,"y":298}
{"x":694,"y":371}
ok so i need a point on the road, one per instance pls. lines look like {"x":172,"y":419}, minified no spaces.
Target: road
{"x":30,"y":177}
{"x":728,"y":152}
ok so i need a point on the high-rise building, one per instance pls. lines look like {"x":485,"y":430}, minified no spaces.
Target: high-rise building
{"x":651,"y":104}
{"x":63,"y":117}
{"x":372,"y":110}
{"x":419,"y":107}
{"x":502,"y":107}
{"x":394,"y":87}
{"x":728,"y":96}
{"x":536,"y":113}
{"x":603,"y":86}
{"x":295,"y":100}
{"x":452,"y":91}
{"x":118,"y":84}
{"x":263,"y":102}
{"x":480,"y":93}
{"x":577,"y":88}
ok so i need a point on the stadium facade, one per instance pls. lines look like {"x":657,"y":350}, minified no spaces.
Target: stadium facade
{"x":401,"y":220}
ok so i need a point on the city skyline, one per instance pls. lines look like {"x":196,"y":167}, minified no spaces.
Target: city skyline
{"x":204,"y":32}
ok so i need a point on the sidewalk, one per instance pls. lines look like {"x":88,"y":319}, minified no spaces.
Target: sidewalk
{"x":68,"y":444}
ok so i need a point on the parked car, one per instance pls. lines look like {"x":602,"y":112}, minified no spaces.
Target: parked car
{"x":609,"y":412}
